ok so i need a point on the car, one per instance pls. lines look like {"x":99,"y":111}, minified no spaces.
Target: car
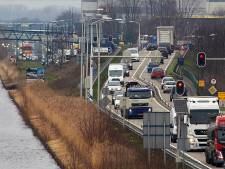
{"x":164,"y":51}
{"x":126,"y":70}
{"x":130,"y":66}
{"x":114,"y":85}
{"x":169,"y":47}
{"x":157,"y":72}
{"x":151,"y":47}
{"x":115,"y":94}
{"x":118,"y":98}
{"x":168,"y":85}
{"x":173,"y":94}
{"x":151,"y":66}
{"x":165,"y":79}
{"x":134,"y":54}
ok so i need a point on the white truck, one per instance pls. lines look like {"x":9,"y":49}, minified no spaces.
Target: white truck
{"x":116,"y":71}
{"x":165,"y":37}
{"x":201,"y":112}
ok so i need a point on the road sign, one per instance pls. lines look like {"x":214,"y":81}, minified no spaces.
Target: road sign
{"x":180,"y":106}
{"x":181,"y":60}
{"x":221,"y":96}
{"x":213,"y":81}
{"x":212,"y":90}
{"x":201,"y":83}
{"x":156,"y":127}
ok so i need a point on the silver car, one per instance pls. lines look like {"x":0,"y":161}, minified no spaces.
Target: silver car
{"x":168,"y":86}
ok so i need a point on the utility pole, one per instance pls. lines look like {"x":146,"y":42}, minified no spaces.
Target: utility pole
{"x":47,"y":44}
{"x":98,"y":38}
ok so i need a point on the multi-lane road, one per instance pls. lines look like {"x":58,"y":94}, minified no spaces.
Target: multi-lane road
{"x":140,"y":74}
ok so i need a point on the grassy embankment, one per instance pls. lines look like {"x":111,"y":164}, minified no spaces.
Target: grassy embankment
{"x":75,"y":133}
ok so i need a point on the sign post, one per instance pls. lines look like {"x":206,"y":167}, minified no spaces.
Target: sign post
{"x":156,"y":126}
{"x":181,"y":109}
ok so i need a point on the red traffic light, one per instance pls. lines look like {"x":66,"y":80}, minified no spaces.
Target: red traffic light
{"x":201,"y":59}
{"x":180,"y":88}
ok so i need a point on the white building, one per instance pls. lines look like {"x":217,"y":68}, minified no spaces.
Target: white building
{"x":215,"y":5}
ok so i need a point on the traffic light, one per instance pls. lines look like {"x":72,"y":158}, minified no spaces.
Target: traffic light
{"x":180,"y":88}
{"x":110,"y":38}
{"x":201,"y":59}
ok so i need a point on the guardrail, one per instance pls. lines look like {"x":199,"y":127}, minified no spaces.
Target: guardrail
{"x":184,"y":157}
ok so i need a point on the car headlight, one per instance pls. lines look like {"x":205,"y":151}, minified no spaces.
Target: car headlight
{"x":130,"y":110}
{"x":191,"y":139}
{"x":149,"y":110}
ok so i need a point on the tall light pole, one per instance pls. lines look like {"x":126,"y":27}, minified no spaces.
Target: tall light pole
{"x":139,"y":32}
{"x":98,"y":30}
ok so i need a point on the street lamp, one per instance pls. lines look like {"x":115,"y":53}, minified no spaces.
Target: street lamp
{"x":104,"y":18}
{"x":139,"y":30}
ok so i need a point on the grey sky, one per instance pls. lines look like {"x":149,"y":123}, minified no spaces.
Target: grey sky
{"x":42,"y":3}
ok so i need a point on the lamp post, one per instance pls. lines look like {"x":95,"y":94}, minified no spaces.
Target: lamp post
{"x":104,"y":18}
{"x":98,"y":29}
{"x":139,"y":32}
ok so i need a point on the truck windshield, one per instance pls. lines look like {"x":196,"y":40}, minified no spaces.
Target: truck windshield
{"x":203,"y":116}
{"x":221,"y":135}
{"x":139,"y":94}
{"x":115,"y":73}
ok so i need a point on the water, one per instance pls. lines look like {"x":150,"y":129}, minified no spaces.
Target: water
{"x":19,"y":148}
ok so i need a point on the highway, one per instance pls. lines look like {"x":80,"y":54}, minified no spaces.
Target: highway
{"x":140,"y":74}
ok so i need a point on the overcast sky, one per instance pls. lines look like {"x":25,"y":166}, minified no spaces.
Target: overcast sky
{"x":42,"y":3}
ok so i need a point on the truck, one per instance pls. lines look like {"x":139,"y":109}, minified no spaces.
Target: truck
{"x":35,"y":73}
{"x":215,"y":149}
{"x":116,"y":71}
{"x":165,"y":37}
{"x":152,"y":45}
{"x":136,"y":101}
{"x":202,"y":110}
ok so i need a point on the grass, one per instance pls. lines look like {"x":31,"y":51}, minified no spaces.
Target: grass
{"x":78,"y":134}
{"x":222,"y":108}
{"x":23,"y":65}
{"x":172,"y":65}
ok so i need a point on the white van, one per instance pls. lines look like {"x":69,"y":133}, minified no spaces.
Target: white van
{"x":116,"y":71}
{"x":134,"y":54}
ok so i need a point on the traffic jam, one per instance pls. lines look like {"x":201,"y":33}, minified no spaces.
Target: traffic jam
{"x":130,"y":97}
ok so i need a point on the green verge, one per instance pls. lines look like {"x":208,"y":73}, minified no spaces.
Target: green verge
{"x":104,"y":76}
{"x":172,"y":66}
{"x":222,"y":108}
{"x":23,"y":65}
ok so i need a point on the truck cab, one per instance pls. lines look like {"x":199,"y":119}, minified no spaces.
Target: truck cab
{"x":201,"y":112}
{"x":136,"y":101}
{"x":116,"y":71}
{"x":215,"y":149}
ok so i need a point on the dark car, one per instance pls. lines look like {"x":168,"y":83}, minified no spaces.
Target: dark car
{"x":173,"y":94}
{"x":169,"y":47}
{"x":126,"y":70}
{"x":164,"y":51}
{"x":130,"y":65}
{"x":151,"y":47}
{"x":151,"y":66}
